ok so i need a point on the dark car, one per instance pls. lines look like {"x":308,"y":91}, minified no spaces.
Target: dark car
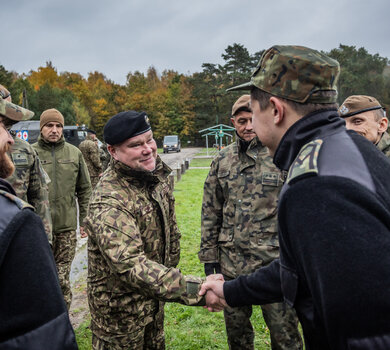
{"x":171,"y":143}
{"x":30,"y":131}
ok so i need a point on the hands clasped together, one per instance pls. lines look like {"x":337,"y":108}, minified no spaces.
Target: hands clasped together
{"x":213,"y":291}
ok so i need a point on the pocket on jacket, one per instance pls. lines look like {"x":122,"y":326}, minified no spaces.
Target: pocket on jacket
{"x":225,"y":235}
{"x":289,"y":281}
{"x":20,"y":160}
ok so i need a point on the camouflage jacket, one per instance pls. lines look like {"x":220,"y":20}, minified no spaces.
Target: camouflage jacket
{"x":90,"y":151}
{"x":384,"y":144}
{"x":30,"y":181}
{"x":105,"y":156}
{"x":133,"y":248}
{"x":68,"y":173}
{"x":239,"y":222}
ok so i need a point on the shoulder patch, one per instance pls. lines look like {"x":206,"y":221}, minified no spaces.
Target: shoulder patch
{"x":306,"y":161}
{"x":19,"y":202}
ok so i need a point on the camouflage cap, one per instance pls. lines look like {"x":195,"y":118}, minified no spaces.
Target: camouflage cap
{"x":295,"y":73}
{"x":243,"y":103}
{"x":13,"y":111}
{"x":356,"y":104}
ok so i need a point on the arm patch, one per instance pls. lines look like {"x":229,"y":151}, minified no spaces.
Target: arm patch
{"x":306,"y":162}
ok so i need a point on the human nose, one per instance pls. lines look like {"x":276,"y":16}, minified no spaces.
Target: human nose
{"x":248,"y":125}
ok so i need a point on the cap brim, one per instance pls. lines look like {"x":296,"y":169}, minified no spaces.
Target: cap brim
{"x":15,"y":112}
{"x":245,"y":86}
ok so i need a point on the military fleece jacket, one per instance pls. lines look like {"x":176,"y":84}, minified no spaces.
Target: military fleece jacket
{"x":69,"y":177}
{"x":334,"y":235}
{"x":33,"y":314}
{"x":133,"y":248}
{"x":239,"y":223}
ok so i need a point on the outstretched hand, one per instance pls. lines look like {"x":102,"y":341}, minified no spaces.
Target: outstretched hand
{"x":213,"y":291}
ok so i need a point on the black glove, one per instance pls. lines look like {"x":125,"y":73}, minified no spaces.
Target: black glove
{"x":211,"y":268}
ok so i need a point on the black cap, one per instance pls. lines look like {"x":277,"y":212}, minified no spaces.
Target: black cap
{"x":125,"y":125}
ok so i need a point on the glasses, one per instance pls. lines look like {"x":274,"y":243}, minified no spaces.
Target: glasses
{"x":4,"y":94}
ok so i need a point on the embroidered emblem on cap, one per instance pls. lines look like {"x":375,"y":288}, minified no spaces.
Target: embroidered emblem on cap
{"x":147,"y":119}
{"x":343,"y":110}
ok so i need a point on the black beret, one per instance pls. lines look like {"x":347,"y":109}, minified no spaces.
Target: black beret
{"x":124,"y":125}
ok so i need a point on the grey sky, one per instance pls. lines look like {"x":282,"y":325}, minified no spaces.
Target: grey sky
{"x":118,"y":36}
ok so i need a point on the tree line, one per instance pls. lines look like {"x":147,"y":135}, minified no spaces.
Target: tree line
{"x":176,"y":103}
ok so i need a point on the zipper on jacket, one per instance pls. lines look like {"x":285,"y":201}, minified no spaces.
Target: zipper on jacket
{"x":53,"y":155}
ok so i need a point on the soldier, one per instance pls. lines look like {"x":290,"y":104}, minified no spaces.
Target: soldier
{"x":66,"y":168}
{"x":366,"y":116}
{"x":133,"y":242}
{"x":29,"y":180}
{"x":33,"y":314}
{"x":333,"y":210}
{"x":105,"y":156}
{"x":239,"y":228}
{"x":90,"y":151}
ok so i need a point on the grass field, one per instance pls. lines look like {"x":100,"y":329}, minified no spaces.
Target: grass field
{"x":200,"y":162}
{"x":191,"y":328}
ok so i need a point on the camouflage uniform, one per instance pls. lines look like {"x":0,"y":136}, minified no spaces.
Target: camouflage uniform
{"x":66,"y":168}
{"x":239,"y":231}
{"x":105,"y":156}
{"x":384,"y":144}
{"x":133,"y":248}
{"x":30,"y":181}
{"x":90,"y":151}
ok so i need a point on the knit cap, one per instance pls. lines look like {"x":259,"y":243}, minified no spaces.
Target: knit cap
{"x":51,"y":115}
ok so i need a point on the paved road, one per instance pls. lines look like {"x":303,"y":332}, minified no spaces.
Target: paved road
{"x":174,"y":159}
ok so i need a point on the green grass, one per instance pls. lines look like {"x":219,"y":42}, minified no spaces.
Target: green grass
{"x":203,"y":152}
{"x":84,"y":336}
{"x":200,"y":162}
{"x":191,"y":328}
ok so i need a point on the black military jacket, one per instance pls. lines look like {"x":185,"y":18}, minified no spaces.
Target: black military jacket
{"x":334,"y":235}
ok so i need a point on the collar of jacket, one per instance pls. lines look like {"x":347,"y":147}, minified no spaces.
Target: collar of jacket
{"x":143,"y":177}
{"x":384,"y":142}
{"x":48,"y":145}
{"x":6,"y":187}
{"x":312,"y":126}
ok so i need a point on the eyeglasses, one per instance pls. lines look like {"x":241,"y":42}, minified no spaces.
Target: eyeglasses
{"x":4,"y":94}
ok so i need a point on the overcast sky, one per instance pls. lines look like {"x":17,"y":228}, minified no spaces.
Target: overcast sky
{"x":116,"y":37}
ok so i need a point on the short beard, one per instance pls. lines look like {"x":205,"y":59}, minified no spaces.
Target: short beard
{"x":6,"y":166}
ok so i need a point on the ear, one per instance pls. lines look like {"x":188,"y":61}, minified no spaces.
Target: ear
{"x":112,"y":151}
{"x":383,"y":125}
{"x":233,"y":121}
{"x":278,"y":110}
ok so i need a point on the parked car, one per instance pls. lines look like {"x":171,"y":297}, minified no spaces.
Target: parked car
{"x":29,"y":131}
{"x":171,"y":143}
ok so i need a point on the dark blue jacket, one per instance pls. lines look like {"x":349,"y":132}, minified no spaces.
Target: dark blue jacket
{"x":334,"y":236}
{"x":33,"y":314}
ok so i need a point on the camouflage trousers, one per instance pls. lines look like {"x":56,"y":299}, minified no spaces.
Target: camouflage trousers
{"x":281,"y":320}
{"x":64,"y":250}
{"x":150,"y":337}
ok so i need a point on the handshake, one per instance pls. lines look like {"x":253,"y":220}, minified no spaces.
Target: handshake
{"x":213,"y":291}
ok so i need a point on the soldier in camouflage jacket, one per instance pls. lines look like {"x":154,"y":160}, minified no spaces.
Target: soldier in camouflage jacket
{"x":90,"y":151}
{"x":239,"y":227}
{"x":366,"y":116}
{"x":133,"y":245}
{"x":29,"y":180}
